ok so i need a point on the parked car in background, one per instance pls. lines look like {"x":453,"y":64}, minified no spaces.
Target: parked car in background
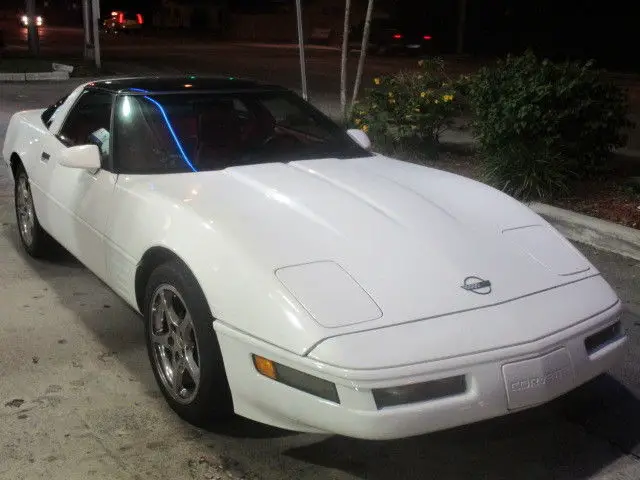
{"x":24,"y":20}
{"x":389,"y":36}
{"x":123,"y":21}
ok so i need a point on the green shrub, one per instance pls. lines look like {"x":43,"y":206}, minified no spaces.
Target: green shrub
{"x":540,"y":124}
{"x":409,"y":107}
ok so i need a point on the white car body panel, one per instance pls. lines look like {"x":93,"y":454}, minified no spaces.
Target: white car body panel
{"x":350,"y":270}
{"x":409,"y":269}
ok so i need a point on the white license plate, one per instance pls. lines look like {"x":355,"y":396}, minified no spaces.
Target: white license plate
{"x":538,"y":380}
{"x":413,"y":45}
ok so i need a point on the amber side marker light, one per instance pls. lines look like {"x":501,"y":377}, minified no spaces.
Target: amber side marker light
{"x":265,"y":367}
{"x":296,"y":379}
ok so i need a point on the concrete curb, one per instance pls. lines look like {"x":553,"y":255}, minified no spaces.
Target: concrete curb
{"x":34,"y":76}
{"x":592,"y":231}
{"x":464,"y":139}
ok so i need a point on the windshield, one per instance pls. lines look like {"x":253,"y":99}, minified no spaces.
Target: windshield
{"x":182,"y":132}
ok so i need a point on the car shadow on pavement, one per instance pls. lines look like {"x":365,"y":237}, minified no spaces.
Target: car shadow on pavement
{"x":558,"y":440}
{"x":241,"y":428}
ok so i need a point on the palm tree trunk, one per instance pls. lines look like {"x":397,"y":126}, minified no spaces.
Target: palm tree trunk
{"x":363,"y":51}
{"x":343,"y":66}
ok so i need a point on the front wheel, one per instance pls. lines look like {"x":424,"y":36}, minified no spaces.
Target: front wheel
{"x":34,"y":239}
{"x":183,"y":347}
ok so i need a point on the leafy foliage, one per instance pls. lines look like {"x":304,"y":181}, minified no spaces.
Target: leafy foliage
{"x":540,"y":124}
{"x":407,"y":107}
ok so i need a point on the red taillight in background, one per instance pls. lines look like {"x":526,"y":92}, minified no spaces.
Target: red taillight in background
{"x":397,"y":36}
{"x":140,"y":19}
{"x":427,"y":37}
{"x":121,"y":17}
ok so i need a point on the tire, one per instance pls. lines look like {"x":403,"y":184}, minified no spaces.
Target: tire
{"x":35,"y":240}
{"x":182,"y":347}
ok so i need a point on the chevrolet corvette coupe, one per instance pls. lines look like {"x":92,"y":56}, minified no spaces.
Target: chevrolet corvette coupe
{"x":289,"y":274}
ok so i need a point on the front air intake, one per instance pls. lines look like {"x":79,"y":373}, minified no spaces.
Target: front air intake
{"x":419,"y":392}
{"x":602,"y":338}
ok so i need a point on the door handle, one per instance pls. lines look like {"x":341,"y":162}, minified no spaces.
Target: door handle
{"x":45,"y":157}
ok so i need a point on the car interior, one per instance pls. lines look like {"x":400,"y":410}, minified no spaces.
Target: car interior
{"x":212,"y":134}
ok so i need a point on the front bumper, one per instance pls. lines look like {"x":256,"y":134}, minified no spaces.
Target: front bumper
{"x":497,"y":383}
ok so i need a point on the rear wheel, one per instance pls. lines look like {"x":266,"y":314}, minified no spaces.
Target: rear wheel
{"x":34,"y":239}
{"x":183,"y":347}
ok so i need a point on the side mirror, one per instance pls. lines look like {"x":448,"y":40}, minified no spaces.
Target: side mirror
{"x":360,"y":138}
{"x":86,"y":157}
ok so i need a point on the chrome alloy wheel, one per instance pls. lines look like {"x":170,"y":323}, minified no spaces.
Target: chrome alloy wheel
{"x":174,"y":344}
{"x":25,"y":211}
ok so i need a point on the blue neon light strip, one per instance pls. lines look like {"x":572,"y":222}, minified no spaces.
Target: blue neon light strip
{"x":170,"y":127}
{"x":173,"y":133}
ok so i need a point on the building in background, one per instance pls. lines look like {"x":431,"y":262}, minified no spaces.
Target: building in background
{"x":204,"y":15}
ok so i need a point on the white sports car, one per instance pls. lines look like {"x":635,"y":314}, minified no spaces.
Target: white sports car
{"x":288,"y":274}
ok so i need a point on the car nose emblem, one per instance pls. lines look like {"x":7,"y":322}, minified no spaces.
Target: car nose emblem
{"x":477,"y":285}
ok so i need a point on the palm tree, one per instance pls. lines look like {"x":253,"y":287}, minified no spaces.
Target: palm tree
{"x":343,"y":64}
{"x":363,"y":51}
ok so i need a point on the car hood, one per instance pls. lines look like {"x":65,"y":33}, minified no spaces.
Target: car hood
{"x":371,"y":242}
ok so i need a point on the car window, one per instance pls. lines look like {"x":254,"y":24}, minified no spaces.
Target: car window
{"x":179,"y":132}
{"x":49,"y":112}
{"x":89,"y":121}
{"x":291,"y":116}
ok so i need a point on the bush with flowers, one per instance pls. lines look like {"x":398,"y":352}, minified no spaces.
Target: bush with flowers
{"x":409,"y":107}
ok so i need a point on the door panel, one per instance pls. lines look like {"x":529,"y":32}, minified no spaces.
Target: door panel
{"x":78,"y":200}
{"x":78,"y":212}
{"x":42,"y":167}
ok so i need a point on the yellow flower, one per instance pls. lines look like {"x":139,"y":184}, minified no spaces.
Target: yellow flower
{"x":364,"y":128}
{"x":392,"y":100}
{"x":447,"y":98}
{"x":390,"y":94}
{"x":358,"y":121}
{"x":423,"y":94}
{"x":376,"y":81}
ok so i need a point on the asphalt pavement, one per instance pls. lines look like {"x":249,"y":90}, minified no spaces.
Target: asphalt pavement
{"x":268,"y":63}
